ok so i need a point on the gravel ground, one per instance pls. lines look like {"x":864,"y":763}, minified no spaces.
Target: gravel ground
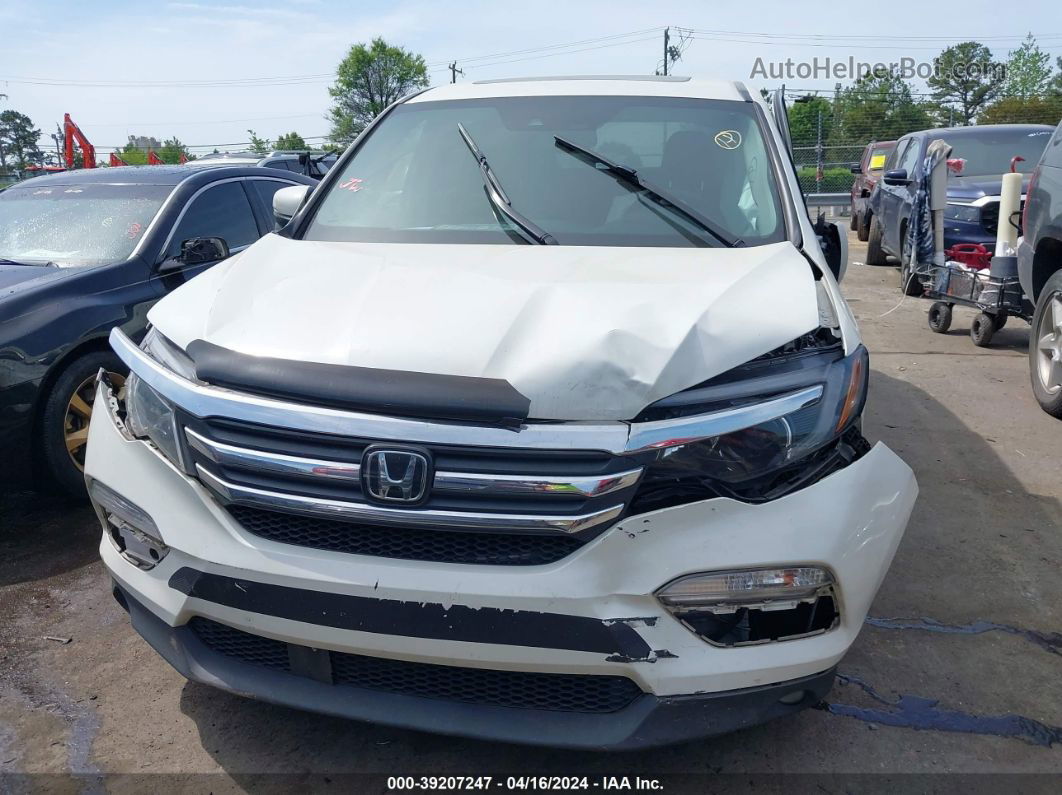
{"x":957,"y":671}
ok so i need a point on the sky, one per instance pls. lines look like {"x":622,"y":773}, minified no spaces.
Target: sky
{"x":112,"y":65}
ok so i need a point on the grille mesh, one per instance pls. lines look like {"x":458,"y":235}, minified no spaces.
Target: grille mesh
{"x":243,"y":646}
{"x":407,"y":543}
{"x":519,"y":689}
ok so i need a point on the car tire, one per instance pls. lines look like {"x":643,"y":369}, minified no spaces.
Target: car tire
{"x":863,"y":230}
{"x":982,"y":329}
{"x":854,"y":223}
{"x":65,"y":418}
{"x":1045,"y":347}
{"x":910,"y":284}
{"x":875,"y":254}
{"x":940,"y":317}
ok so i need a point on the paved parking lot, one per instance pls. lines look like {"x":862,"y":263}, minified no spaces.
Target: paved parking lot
{"x":957,"y":671}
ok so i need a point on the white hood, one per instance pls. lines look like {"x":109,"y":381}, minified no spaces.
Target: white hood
{"x":584,"y":333}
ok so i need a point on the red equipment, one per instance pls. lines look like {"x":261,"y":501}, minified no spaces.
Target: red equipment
{"x":973,"y":255}
{"x":154,"y":160}
{"x":117,"y":161}
{"x":72,"y":132}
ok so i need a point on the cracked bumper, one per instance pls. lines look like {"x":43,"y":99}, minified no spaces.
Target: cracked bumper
{"x":570,"y":617}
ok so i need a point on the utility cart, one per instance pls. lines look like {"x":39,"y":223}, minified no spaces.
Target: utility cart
{"x":996,"y":298}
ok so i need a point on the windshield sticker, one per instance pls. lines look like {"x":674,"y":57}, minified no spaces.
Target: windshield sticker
{"x":877,"y":162}
{"x":134,"y":230}
{"x":728,"y":139}
{"x":352,"y":184}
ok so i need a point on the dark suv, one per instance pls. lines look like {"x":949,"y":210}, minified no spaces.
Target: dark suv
{"x":972,"y":213}
{"x":1040,"y":270}
{"x":83,"y":252}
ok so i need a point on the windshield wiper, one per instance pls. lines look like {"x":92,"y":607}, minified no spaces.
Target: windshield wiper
{"x":658,"y":194}
{"x":500,"y":200}
{"x":6,"y":261}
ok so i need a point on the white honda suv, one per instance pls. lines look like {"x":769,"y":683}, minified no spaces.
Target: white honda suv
{"x":539,"y":422}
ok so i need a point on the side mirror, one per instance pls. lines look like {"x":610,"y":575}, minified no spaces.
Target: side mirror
{"x":287,"y":202}
{"x":834,"y":243}
{"x":856,"y":168}
{"x":898,"y":176}
{"x":196,"y":251}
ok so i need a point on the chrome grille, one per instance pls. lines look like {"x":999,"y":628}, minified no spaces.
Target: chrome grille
{"x":474,"y":489}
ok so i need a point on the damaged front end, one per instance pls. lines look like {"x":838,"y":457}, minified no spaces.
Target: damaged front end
{"x":773,"y":458}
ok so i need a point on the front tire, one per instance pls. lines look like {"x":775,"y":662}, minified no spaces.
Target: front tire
{"x":982,"y":329}
{"x":875,"y":254}
{"x":910,"y":284}
{"x":863,"y":230}
{"x":65,"y":418}
{"x":940,"y":317}
{"x":1045,"y":348}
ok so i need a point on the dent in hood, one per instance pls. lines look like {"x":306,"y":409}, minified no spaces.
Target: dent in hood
{"x":585,"y":333}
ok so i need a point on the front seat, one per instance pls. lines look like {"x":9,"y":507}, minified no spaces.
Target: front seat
{"x":707,"y":176}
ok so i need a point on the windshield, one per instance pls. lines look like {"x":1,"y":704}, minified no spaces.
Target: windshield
{"x":414,"y":181}
{"x":988,"y":152}
{"x":86,"y":224}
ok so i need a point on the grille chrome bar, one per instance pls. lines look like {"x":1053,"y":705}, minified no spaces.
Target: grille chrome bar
{"x":489,"y":485}
{"x":340,"y":509}
{"x":619,"y":438}
{"x":227,"y":455}
{"x":473,"y":483}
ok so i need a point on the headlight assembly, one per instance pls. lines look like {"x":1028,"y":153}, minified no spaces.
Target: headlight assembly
{"x":962,"y":212}
{"x":148,"y":414}
{"x":772,"y":458}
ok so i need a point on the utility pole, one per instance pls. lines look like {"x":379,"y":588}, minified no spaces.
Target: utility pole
{"x":454,"y":72}
{"x":818,"y":156}
{"x":667,"y":37}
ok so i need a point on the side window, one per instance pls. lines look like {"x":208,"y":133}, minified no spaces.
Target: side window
{"x":219,"y":211}
{"x":896,"y":154}
{"x":910,"y":157}
{"x":265,"y":188}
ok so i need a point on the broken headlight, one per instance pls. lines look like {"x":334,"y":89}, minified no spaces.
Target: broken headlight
{"x":774,"y":457}
{"x":148,"y":414}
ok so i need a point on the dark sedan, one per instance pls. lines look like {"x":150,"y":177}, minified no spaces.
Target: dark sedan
{"x":972,"y":214}
{"x":82,"y":252}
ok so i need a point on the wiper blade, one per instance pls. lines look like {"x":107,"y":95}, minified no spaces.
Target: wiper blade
{"x":6,"y":261}
{"x":660,"y":195}
{"x":498,"y":197}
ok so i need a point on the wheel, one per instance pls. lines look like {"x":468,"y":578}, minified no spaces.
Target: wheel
{"x":1045,"y":348}
{"x":940,"y":317}
{"x":65,"y":418}
{"x":1001,"y":320}
{"x":854,"y":223}
{"x":875,"y":254}
{"x":982,"y":329}
{"x":863,"y":230}
{"x":910,"y":284}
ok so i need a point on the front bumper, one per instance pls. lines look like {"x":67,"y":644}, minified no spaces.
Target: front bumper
{"x":591,"y":613}
{"x":956,"y":232}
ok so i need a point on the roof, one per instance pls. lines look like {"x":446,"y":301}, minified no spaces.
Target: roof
{"x":980,"y":128}
{"x":589,"y":85}
{"x":147,"y":175}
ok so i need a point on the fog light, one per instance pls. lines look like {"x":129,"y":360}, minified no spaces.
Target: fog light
{"x":132,"y":531}
{"x":738,"y":608}
{"x":793,"y":698}
{"x":742,"y":587}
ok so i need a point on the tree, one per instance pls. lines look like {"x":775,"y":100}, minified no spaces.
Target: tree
{"x":877,"y":107}
{"x":1028,"y":71}
{"x":18,"y":138}
{"x":260,"y":146}
{"x":172,"y":149}
{"x":368,"y":80}
{"x":966,"y":78}
{"x":291,"y":141}
{"x":1012,"y":110}
{"x":1054,"y":88}
{"x":804,"y":114}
